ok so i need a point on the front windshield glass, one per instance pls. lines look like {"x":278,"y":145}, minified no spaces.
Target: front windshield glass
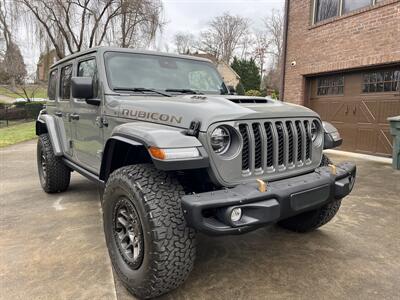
{"x":127,"y":71}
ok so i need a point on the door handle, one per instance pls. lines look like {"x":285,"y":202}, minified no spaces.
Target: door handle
{"x":354,"y":109}
{"x":74,"y":116}
{"x":58,"y":113}
{"x":347,"y":109}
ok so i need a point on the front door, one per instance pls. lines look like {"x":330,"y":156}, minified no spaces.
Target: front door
{"x":87,"y":134}
{"x":63,"y":108}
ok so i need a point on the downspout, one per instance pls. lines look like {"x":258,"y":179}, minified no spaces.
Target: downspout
{"x":285,"y":34}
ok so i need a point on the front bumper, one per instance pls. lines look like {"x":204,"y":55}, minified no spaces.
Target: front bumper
{"x":208,"y":212}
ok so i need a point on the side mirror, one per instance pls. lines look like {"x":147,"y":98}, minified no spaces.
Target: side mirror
{"x":82,"y":88}
{"x":231,"y":90}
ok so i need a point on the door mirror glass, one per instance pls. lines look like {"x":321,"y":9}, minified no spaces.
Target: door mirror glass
{"x":82,"y":88}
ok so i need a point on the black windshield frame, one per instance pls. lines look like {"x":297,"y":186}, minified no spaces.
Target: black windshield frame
{"x":223,"y":89}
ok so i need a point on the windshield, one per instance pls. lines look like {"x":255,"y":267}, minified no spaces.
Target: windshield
{"x":129,"y":71}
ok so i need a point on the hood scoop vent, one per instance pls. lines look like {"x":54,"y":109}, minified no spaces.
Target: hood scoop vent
{"x":248,"y":100}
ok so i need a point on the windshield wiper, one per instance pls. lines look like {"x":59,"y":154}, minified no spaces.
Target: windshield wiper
{"x":184,"y":91}
{"x":141,"y":90}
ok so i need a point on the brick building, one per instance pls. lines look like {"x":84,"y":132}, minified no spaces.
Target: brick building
{"x":342,"y":59}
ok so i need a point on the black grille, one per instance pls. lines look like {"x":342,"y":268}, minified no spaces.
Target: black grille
{"x":286,"y":144}
{"x":290,"y":143}
{"x":308,"y":139}
{"x":281,"y":144}
{"x":299,"y":141}
{"x":257,"y":146}
{"x":270,"y":144}
{"x":245,"y":151}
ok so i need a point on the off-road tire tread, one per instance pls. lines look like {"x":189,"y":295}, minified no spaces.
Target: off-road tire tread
{"x":314,"y":219}
{"x":58,"y":174}
{"x":172,"y":241}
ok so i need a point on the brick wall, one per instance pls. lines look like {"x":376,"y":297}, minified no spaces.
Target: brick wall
{"x":367,"y":37}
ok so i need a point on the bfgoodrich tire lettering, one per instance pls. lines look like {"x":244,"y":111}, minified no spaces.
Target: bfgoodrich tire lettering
{"x":53,"y":174}
{"x":314,"y":219}
{"x":169,"y":245}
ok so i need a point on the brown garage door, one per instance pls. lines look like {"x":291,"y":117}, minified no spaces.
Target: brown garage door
{"x":358,"y":104}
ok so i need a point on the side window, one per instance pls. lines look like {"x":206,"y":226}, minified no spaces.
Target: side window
{"x":88,"y":68}
{"x":65,"y":82}
{"x":52,"y":87}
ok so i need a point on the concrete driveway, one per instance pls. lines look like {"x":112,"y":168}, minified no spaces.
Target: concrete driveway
{"x":52,"y":246}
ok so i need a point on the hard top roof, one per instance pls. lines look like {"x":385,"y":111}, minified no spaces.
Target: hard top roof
{"x":102,"y":49}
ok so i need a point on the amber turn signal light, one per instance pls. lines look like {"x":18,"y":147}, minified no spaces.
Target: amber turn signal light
{"x":157,"y":153}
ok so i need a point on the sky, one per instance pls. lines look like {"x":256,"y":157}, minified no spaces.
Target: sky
{"x":183,"y":15}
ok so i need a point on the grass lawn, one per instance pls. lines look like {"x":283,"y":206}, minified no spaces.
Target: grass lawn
{"x":17,"y":133}
{"x":40,"y":91}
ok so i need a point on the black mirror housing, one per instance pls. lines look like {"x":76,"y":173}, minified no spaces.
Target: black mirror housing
{"x":82,"y":87}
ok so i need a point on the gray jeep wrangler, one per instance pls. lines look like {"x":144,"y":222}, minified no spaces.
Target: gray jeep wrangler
{"x":177,"y":152}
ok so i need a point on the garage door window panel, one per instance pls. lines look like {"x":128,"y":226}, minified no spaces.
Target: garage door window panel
{"x":332,"y":85}
{"x":381,"y":81}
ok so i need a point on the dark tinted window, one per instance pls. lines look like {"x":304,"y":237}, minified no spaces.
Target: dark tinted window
{"x":65,"y":82}
{"x":349,"y":5}
{"x":381,"y":81}
{"x":51,"y":91}
{"x":87,"y":68}
{"x":331,"y":85}
{"x":325,"y":9}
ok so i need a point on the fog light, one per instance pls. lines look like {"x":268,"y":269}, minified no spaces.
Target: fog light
{"x":236,"y":214}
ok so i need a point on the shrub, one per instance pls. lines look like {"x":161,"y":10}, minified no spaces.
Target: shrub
{"x":33,"y":109}
{"x":239,"y":89}
{"x":253,"y":93}
{"x":275,"y":95}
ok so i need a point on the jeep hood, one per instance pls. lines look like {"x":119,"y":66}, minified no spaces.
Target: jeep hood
{"x":180,"y":111}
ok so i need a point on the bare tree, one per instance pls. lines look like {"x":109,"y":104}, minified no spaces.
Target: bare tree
{"x":73,"y":25}
{"x":274,"y":30}
{"x":184,"y":42}
{"x":273,"y":40}
{"x":5,"y":22}
{"x":139,"y":21}
{"x":260,"y":50}
{"x":224,"y":36}
{"x":12,"y":66}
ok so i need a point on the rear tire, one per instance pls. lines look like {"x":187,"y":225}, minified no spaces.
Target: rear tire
{"x":53,"y":174}
{"x":313,"y":219}
{"x":154,"y":252}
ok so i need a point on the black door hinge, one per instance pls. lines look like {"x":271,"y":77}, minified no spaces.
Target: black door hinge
{"x":101,"y":122}
{"x":194,"y":128}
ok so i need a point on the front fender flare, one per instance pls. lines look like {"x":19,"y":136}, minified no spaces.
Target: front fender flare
{"x":51,"y":128}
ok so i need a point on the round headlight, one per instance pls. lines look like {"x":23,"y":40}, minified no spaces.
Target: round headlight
{"x":314,"y":130}
{"x":220,"y":140}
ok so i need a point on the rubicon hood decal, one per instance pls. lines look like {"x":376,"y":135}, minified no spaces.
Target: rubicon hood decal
{"x":151,"y":116}
{"x":180,"y":111}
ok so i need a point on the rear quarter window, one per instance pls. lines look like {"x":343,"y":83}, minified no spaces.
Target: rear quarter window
{"x":65,"y":82}
{"x":52,"y":87}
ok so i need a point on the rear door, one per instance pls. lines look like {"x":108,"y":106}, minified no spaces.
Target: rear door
{"x":86,"y":124}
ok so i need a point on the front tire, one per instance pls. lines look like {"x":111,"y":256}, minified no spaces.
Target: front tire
{"x":311,"y":220}
{"x":54,"y":175}
{"x":151,"y":248}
